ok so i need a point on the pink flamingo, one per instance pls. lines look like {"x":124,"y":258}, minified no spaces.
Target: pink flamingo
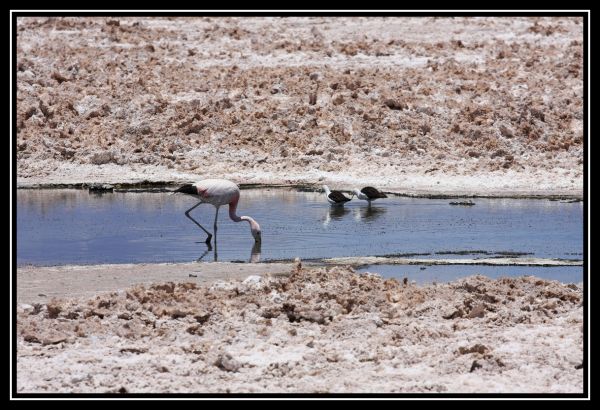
{"x":218,"y":192}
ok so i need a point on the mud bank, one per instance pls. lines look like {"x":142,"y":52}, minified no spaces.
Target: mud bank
{"x":490,"y":106}
{"x":317,"y":330}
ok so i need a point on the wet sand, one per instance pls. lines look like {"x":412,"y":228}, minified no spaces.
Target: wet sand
{"x":313,"y":330}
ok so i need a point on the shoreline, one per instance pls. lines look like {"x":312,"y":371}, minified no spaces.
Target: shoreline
{"x":164,"y":186}
{"x":33,"y":284}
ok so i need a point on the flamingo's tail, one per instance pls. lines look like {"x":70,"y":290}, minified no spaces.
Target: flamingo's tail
{"x":186,"y":189}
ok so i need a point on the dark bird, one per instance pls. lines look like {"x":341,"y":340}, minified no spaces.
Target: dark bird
{"x":335,"y":197}
{"x":368,"y":193}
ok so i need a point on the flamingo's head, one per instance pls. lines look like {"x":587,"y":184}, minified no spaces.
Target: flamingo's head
{"x":255,"y":230}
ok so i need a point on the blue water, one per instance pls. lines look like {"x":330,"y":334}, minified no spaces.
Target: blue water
{"x":57,"y":227}
{"x":446,"y":273}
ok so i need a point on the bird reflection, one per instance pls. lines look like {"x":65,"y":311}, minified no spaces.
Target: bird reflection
{"x":209,"y":248}
{"x":368,"y":213}
{"x":335,"y":213}
{"x":255,"y":253}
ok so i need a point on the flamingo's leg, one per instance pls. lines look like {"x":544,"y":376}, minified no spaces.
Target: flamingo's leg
{"x":187,"y":213}
{"x":204,"y":254}
{"x":216,"y":252}
{"x":215,"y":224}
{"x":215,"y":230}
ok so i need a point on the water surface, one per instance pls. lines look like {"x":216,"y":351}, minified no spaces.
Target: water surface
{"x":447,"y":273}
{"x":76,"y":227}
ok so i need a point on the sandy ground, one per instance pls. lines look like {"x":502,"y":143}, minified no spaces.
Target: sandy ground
{"x":418,"y":105}
{"x":314,"y":330}
{"x":40,"y":284}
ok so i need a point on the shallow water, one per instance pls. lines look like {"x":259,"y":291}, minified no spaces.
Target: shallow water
{"x":76,"y":227}
{"x":446,"y":273}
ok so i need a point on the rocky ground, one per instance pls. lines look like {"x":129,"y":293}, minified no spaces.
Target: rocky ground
{"x":316,"y":330}
{"x":473,"y":105}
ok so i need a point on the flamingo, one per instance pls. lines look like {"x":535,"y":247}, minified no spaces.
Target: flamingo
{"x":335,"y":197}
{"x":368,"y":194}
{"x":218,"y":192}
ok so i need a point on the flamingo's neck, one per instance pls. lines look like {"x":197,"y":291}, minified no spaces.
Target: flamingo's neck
{"x":234,"y":217}
{"x":232,"y":209}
